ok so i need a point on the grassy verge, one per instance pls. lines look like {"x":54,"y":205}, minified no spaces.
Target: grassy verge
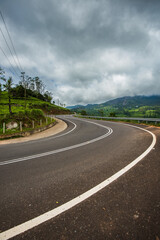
{"x":27,"y":121}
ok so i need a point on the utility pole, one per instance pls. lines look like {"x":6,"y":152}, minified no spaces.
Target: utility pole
{"x":23,"y":81}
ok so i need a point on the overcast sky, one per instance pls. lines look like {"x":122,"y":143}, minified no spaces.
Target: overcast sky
{"x":86,"y":51}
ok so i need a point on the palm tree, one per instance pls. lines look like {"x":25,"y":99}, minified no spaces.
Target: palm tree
{"x":2,"y":77}
{"x":8,"y":87}
{"x":0,"y":88}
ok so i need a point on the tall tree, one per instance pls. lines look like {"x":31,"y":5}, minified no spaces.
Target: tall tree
{"x":2,"y":74}
{"x":101,"y":112}
{"x":31,"y":84}
{"x":23,"y":83}
{"x":8,"y":88}
{"x":40,"y":87}
{"x":48,"y":96}
{"x":0,"y":88}
{"x":2,"y":77}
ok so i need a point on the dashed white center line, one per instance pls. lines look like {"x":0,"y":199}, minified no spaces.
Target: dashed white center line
{"x":61,"y":149}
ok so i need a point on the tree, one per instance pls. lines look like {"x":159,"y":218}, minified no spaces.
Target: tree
{"x":24,"y":84}
{"x":18,"y":91}
{"x":48,"y":96}
{"x":101,"y":112}
{"x":2,"y":73}
{"x":83,"y":112}
{"x":2,"y":77}
{"x":8,"y":88}
{"x":112,"y":114}
{"x":0,"y":88}
{"x":31,"y":84}
{"x":40,"y":87}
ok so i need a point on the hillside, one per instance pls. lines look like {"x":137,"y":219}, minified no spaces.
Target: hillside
{"x":134,"y":101}
{"x":137,"y":106}
{"x":18,"y":104}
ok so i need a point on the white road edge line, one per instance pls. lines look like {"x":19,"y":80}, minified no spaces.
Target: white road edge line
{"x":53,"y":213}
{"x":61,"y":149}
{"x":66,"y":132}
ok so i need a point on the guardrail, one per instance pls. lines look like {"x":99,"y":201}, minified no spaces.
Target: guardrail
{"x":155,"y":120}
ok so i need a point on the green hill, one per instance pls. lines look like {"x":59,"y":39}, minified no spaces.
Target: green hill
{"x":137,"y":106}
{"x":18,"y":104}
{"x":136,"y":101}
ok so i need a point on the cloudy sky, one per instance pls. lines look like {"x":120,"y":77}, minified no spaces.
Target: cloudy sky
{"x":86,"y":51}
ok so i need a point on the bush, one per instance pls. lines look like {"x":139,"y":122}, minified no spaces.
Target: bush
{"x":24,"y":115}
{"x":37,"y":114}
{"x":83,"y":112}
{"x":112,"y":114}
{"x":4,"y":118}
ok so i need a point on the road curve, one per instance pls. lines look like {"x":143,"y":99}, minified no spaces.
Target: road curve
{"x":92,"y":152}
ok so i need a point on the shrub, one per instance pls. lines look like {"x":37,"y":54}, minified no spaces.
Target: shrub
{"x":37,"y":114}
{"x":83,"y":112}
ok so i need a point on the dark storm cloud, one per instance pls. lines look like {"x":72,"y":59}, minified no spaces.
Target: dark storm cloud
{"x":88,"y":51}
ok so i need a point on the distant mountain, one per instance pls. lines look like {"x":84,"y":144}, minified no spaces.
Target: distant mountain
{"x":125,"y":106}
{"x":136,"y":101}
{"x":76,"y":106}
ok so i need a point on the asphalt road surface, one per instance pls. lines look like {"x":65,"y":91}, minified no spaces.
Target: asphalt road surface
{"x":95,"y":180}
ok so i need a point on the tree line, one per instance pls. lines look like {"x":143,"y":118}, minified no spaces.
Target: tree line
{"x":26,"y":87}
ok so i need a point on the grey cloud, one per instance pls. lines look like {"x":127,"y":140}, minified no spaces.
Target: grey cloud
{"x":88,"y":51}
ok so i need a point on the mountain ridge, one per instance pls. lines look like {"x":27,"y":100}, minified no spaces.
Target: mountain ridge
{"x":136,"y":106}
{"x":139,"y":100}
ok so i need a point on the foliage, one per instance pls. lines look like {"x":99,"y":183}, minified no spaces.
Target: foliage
{"x":8,"y":87}
{"x":26,"y":117}
{"x":18,"y":92}
{"x":33,"y":86}
{"x":2,"y":73}
{"x":34,"y":114}
{"x":48,"y":96}
{"x":18,"y":104}
{"x":112,"y":114}
{"x":101,"y":112}
{"x":29,"y":87}
{"x":28,"y":99}
{"x":83,"y":112}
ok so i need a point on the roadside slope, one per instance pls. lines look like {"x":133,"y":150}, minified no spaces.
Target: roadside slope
{"x":59,"y":127}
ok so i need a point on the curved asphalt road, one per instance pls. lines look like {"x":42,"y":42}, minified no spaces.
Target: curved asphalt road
{"x":128,"y":208}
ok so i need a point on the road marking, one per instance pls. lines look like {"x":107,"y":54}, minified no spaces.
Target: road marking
{"x":61,"y":149}
{"x":50,"y":137}
{"x":66,"y":132}
{"x":56,"y":211}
